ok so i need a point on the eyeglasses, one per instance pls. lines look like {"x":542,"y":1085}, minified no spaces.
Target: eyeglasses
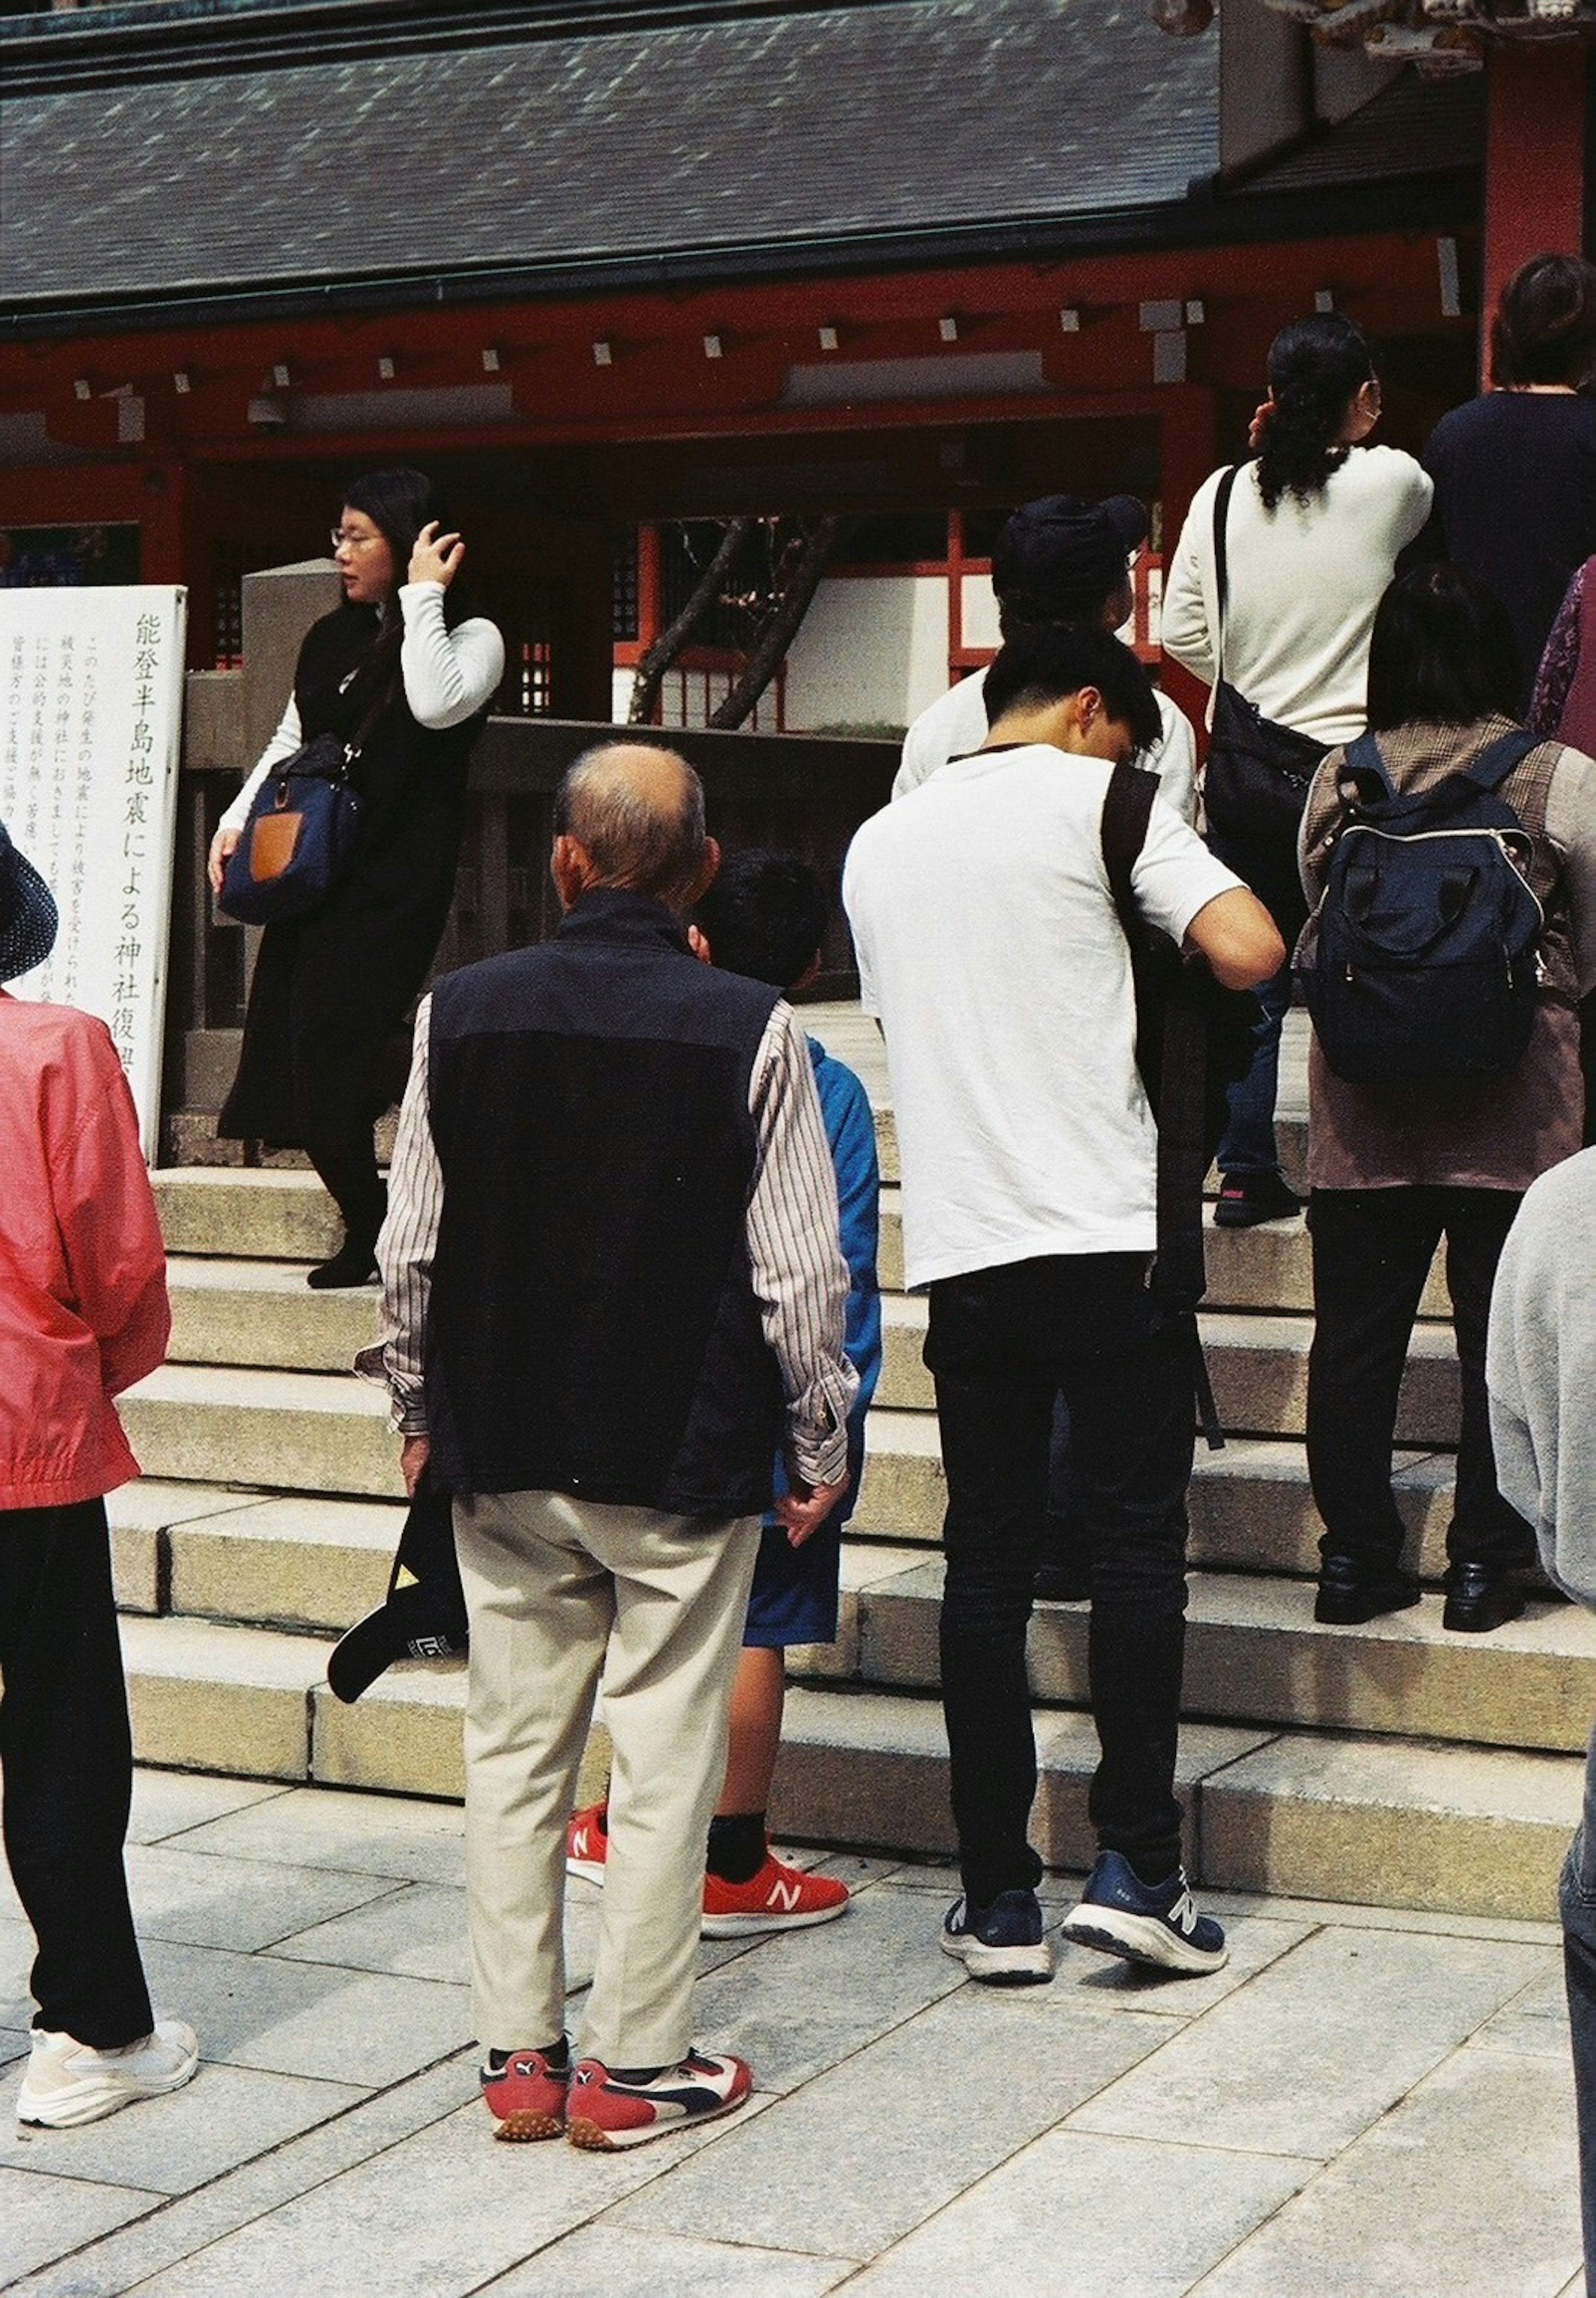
{"x":342,"y":537}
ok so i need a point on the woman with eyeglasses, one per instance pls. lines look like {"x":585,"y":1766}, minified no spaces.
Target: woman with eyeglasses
{"x":331,"y":987}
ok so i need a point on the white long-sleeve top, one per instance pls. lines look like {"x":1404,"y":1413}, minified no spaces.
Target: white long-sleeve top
{"x":955,"y":726}
{"x":1304,"y":582}
{"x":448,"y":677}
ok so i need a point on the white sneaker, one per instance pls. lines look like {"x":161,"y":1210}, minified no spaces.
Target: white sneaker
{"x":68,"y":2082}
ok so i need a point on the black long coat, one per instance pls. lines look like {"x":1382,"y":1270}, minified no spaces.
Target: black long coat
{"x":330,"y":990}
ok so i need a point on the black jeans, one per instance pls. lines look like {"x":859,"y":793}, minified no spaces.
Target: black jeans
{"x":1372,"y":1250}
{"x":67,"y":1754}
{"x":1002,"y":1342}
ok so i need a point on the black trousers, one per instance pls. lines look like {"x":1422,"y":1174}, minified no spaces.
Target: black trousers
{"x":67,"y":1756}
{"x":1003,"y":1344}
{"x":1372,"y":1250}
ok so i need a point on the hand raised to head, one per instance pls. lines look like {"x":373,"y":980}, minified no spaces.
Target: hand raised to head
{"x":436,"y":558}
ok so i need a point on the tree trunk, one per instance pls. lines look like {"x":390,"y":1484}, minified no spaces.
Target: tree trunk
{"x":657,"y":660}
{"x":781,"y":629}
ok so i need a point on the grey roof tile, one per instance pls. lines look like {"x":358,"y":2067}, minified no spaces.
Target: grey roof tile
{"x":927,"y":113}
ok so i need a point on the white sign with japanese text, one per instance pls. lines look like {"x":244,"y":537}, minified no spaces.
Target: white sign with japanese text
{"x":93,"y":684}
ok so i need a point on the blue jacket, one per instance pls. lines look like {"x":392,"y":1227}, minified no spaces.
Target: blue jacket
{"x":850,"y":1130}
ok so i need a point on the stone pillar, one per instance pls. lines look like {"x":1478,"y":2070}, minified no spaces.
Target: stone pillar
{"x":279,"y":607}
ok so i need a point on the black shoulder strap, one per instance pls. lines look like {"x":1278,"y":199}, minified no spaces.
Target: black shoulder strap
{"x":1492,"y":768}
{"x":1180,"y":1272}
{"x":1221,"y":561}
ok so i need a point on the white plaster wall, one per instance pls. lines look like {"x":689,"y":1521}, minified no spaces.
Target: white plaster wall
{"x":979,"y":610}
{"x":873,"y":650}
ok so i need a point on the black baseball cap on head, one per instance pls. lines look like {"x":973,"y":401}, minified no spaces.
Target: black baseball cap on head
{"x":1061,"y":548}
{"x":27,"y":919}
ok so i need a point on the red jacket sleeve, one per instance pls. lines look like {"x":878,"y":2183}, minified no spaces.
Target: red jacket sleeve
{"x":105,"y":1210}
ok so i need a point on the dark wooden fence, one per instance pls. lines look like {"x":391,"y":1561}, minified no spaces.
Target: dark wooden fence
{"x":802,"y":794}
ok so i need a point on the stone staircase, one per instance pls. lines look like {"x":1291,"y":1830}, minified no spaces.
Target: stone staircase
{"x":1391,"y":1764}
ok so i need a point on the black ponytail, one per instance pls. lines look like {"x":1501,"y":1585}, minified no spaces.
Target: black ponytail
{"x":1316,"y":369}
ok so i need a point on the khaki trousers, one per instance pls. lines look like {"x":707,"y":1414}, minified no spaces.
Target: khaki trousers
{"x":559,"y":1590}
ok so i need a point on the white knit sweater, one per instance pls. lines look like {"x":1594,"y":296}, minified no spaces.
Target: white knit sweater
{"x":1305,"y":580}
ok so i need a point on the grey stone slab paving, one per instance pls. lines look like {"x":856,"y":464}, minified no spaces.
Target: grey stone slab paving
{"x":433,"y":2217}
{"x":1537,"y":2019}
{"x":309,"y":2019}
{"x":170,"y":1803}
{"x":901,"y":2109}
{"x":1084,"y":2217}
{"x":1486,"y":2220}
{"x":412,"y":1841}
{"x":200,"y":1899}
{"x":125,"y":2260}
{"x":598,"y":2262}
{"x":416,"y":1930}
{"x":1432,"y":1924}
{"x":168,"y":2145}
{"x":810,"y":1997}
{"x":42,"y":2217}
{"x":1370,"y":2011}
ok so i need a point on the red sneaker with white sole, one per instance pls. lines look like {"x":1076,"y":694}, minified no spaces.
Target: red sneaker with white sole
{"x":526,"y":2096}
{"x":606,"y":2112}
{"x":778,"y":1898}
{"x":587,"y":1846}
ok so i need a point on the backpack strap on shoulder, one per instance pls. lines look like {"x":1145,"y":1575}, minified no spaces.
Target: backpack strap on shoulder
{"x":1492,"y":768}
{"x":1127,"y":810}
{"x":1222,"y":563}
{"x":1363,"y":776}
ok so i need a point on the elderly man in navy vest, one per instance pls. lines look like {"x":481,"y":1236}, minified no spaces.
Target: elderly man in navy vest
{"x":612,"y":1287}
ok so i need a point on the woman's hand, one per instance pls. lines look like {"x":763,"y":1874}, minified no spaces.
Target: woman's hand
{"x":1260,"y":423}
{"x":224,"y":843}
{"x":436,"y":558}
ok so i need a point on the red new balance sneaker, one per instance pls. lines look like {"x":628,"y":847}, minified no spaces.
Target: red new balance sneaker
{"x":587,"y":1846}
{"x":526,"y":2096}
{"x":607,"y":2112}
{"x":778,"y":1898}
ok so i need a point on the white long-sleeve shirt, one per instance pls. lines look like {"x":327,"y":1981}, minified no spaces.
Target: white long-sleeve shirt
{"x":1304,"y":582}
{"x":448,"y":676}
{"x":800,"y":1279}
{"x":955,"y":726}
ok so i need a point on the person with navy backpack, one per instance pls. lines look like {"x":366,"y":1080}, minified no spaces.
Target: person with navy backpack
{"x":1450,"y":861}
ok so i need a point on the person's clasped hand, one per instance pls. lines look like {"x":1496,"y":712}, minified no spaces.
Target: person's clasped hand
{"x":805,"y":1508}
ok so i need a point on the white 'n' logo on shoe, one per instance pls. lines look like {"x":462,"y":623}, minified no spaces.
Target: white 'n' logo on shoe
{"x":786,"y":1896}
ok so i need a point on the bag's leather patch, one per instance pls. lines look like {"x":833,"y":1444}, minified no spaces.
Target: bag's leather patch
{"x":272,"y":842}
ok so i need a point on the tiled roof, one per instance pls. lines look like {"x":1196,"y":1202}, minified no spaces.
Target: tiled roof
{"x":1413,"y":128}
{"x":849,"y":122}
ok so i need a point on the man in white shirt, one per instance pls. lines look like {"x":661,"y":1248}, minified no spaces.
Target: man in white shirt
{"x":1060,"y":559}
{"x":991,"y":953}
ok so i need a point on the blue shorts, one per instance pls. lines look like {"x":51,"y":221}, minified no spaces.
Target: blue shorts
{"x":794,"y":1596}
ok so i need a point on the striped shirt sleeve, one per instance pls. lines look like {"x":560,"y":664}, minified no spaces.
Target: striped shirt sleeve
{"x":405,"y":1249}
{"x":799,"y":1276}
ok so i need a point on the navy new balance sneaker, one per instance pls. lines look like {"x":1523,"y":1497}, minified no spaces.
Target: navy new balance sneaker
{"x":1153,"y":1923}
{"x":1001,"y":1944}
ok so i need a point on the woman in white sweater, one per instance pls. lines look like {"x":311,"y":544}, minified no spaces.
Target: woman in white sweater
{"x":1312,"y":529}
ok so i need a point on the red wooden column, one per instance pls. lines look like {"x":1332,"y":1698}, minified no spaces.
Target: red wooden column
{"x":1535,"y":134}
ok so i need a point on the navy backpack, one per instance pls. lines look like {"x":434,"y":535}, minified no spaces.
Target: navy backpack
{"x":1426,"y":963}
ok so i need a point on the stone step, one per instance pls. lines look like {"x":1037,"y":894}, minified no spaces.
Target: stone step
{"x":304,"y":1431}
{"x":1256,"y":1655}
{"x":262,"y":1312}
{"x":1258,"y":1365}
{"x":1383,"y":1822}
{"x":252,"y":1215}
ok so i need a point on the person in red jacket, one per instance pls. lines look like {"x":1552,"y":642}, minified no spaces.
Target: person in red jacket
{"x":83,"y":1314}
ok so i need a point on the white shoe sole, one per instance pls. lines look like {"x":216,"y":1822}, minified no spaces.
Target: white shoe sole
{"x":596,"y":2139}
{"x":1140,"y":1939}
{"x":586,"y":1871}
{"x":1001,"y":1966}
{"x":93,"y":2097}
{"x":773,"y":1919}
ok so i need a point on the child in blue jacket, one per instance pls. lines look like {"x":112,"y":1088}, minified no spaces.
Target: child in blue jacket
{"x":763,"y":916}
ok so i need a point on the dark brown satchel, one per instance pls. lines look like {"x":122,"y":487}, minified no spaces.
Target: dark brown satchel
{"x":1255,"y":783}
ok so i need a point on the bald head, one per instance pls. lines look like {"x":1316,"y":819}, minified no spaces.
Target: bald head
{"x":631,"y":816}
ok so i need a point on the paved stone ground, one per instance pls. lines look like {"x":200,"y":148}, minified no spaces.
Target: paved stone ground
{"x":1363,"y":2102}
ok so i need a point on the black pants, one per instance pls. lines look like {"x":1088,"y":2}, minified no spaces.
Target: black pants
{"x":1002,"y":1345}
{"x":1372,"y":1250}
{"x":67,"y":1754}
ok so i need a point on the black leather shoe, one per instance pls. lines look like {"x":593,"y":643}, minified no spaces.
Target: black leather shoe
{"x":1351,"y":1592}
{"x":1247,"y":1199}
{"x":354,"y":1263}
{"x":1479,"y":1598}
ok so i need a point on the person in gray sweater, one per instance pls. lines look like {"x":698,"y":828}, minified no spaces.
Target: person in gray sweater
{"x":1540,"y":1371}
